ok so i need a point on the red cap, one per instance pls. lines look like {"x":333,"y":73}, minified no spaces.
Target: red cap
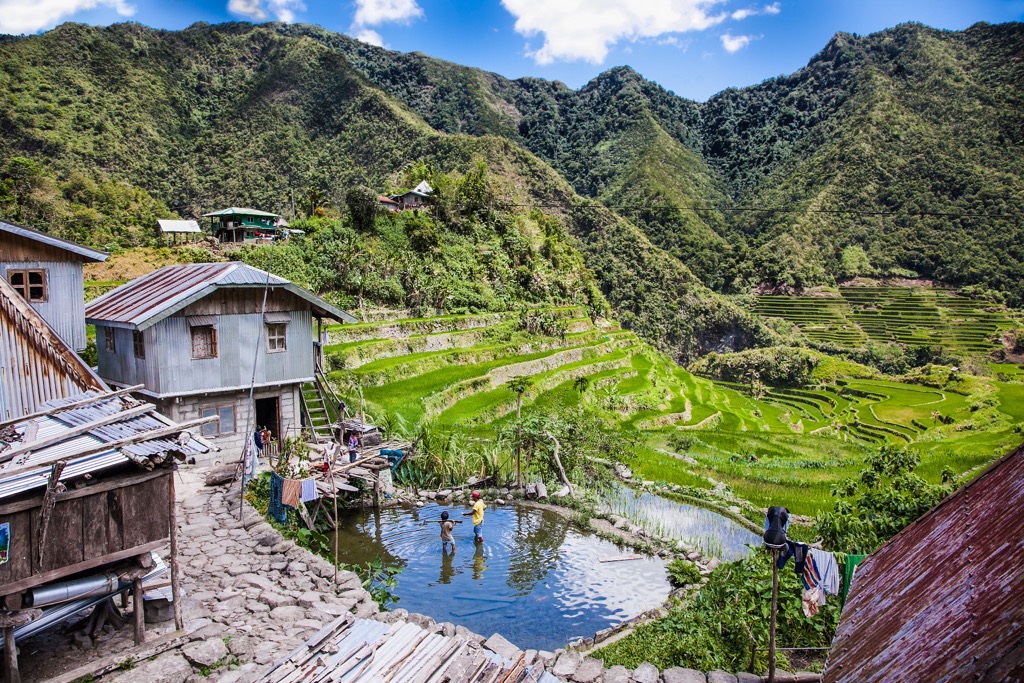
{"x":476,"y":494}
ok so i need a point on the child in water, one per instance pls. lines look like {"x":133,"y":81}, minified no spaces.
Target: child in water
{"x":446,"y":533}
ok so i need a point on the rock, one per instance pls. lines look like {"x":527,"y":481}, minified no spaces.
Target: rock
{"x":170,"y":668}
{"x":713,"y":563}
{"x":82,"y":641}
{"x":542,"y":491}
{"x":241,"y":646}
{"x":646,"y":673}
{"x":744,"y":677}
{"x":206,"y":632}
{"x":205,"y":653}
{"x":499,"y":501}
{"x":287,"y":614}
{"x":258,"y":581}
{"x":501,"y":647}
{"x":222,"y":475}
{"x":561,"y":493}
{"x":589,"y":671}
{"x":275,"y":600}
{"x":617,"y":674}
{"x":158,"y":611}
{"x":719,"y":676}
{"x":678,"y":675}
{"x":567,"y":663}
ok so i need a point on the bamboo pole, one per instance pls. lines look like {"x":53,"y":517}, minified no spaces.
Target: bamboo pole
{"x":175,"y":579}
{"x":137,"y":608}
{"x":334,"y":494}
{"x":771,"y":624}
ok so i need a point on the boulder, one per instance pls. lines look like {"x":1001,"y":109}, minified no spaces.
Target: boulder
{"x":646,"y":673}
{"x":205,"y":653}
{"x":589,"y":671}
{"x":718,"y":676}
{"x":678,"y":675}
{"x":501,"y":647}
{"x":165,"y":669}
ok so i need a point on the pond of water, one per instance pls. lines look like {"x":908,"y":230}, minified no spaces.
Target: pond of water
{"x":536,"y":579}
{"x":714,"y":534}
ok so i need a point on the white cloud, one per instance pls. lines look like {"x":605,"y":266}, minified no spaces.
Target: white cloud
{"x":774,"y":8}
{"x":741,"y":14}
{"x":285,"y":10}
{"x":586,"y":29}
{"x":374,"y":12}
{"x":368,"y":35}
{"x":733,"y":43}
{"x":29,"y":16}
{"x":248,"y":8}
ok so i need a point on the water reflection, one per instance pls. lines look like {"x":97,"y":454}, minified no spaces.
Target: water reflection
{"x":536,"y":580}
{"x":714,"y":534}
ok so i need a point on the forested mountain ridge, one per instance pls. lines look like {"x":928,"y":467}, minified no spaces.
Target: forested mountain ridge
{"x":99,"y":127}
{"x":875,"y":131}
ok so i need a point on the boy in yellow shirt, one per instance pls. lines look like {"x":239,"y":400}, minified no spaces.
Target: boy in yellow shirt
{"x":478,"y":517}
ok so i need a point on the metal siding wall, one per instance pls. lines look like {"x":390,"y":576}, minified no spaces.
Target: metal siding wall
{"x":119,"y":366}
{"x":64,"y":310}
{"x":297,"y":361}
{"x":27,"y":377}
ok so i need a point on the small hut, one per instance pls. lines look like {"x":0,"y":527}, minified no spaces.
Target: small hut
{"x":178,"y":232}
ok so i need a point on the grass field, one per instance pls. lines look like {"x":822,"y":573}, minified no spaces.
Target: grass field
{"x":789,"y":446}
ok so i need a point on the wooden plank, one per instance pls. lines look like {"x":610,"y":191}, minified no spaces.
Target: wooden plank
{"x":39,"y":444}
{"x":94,"y":522}
{"x":107,"y":484}
{"x":64,"y":537}
{"x":621,"y":558}
{"x":115,"y":521}
{"x":72,"y":404}
{"x":138,"y":618}
{"x":112,"y":662}
{"x":53,"y":575}
{"x":20,"y":556}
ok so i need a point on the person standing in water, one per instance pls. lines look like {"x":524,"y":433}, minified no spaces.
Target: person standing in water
{"x":446,"y":533}
{"x":478,"y":517}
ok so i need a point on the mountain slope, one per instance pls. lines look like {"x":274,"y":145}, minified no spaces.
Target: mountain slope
{"x":247,"y":115}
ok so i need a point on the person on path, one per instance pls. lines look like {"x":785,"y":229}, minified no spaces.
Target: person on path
{"x":353,"y":447}
{"x":478,"y":517}
{"x":446,"y":533}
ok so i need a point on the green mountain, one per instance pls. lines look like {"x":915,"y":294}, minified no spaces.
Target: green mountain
{"x":251,"y":115}
{"x":905,"y":144}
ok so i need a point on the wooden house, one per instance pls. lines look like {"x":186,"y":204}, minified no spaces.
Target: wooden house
{"x":86,"y":492}
{"x":236,"y":224}
{"x":416,"y":198}
{"x":47,"y":272}
{"x":199,"y":336}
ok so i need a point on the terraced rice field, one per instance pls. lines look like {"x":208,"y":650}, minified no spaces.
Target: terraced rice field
{"x":788,"y":446}
{"x":917,"y":316}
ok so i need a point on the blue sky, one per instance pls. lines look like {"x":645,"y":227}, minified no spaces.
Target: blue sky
{"x":692,"y":47}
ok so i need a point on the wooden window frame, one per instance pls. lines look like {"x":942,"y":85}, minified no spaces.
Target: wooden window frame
{"x":277,"y":337}
{"x":218,"y":428}
{"x":213,"y":341}
{"x":109,"y":340}
{"x":26,"y":287}
{"x":138,"y":344}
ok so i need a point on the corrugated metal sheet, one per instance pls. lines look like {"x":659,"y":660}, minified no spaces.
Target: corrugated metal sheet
{"x":239,"y":211}
{"x":86,"y":253}
{"x":64,"y":308}
{"x":36,"y":365}
{"x":277,"y":317}
{"x":149,"y":299}
{"x":365,"y":651}
{"x":944,"y":600}
{"x":201,"y":320}
{"x":167,"y":226}
{"x":64,"y":421}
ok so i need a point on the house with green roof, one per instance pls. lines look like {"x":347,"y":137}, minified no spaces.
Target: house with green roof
{"x":236,"y":224}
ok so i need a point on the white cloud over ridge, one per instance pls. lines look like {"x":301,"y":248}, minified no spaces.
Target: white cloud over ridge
{"x":733,"y":43}
{"x":375,"y":12}
{"x":586,"y":29}
{"x":283,"y":10}
{"x":29,"y":16}
{"x":368,"y":35}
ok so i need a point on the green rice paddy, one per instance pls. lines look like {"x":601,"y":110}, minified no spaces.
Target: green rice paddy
{"x":787,"y":446}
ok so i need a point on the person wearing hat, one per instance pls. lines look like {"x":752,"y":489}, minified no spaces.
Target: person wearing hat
{"x":478,"y":517}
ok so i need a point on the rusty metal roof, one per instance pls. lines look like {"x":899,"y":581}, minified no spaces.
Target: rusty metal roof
{"x":149,"y":299}
{"x":86,"y":253}
{"x":944,"y":599}
{"x":36,"y":365}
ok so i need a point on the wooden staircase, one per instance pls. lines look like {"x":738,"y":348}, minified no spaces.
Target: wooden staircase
{"x":321,"y":408}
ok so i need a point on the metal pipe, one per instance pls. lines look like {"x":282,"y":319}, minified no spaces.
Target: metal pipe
{"x":51,"y":594}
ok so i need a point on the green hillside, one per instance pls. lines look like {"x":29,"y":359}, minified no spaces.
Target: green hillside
{"x":770,"y":444}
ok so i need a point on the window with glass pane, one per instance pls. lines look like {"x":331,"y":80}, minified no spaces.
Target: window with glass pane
{"x":108,"y":340}
{"x":204,"y":342}
{"x":276,"y":333}
{"x":138,"y":345}
{"x":31,"y":284}
{"x":210,"y":428}
{"x":227,"y":419}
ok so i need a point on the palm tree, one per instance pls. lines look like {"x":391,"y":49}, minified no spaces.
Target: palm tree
{"x":520,"y":385}
{"x":581,"y":384}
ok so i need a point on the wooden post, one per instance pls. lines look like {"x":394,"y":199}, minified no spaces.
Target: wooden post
{"x":175,"y":580}
{"x":138,"y":611}
{"x":11,"y":656}
{"x":334,"y":492}
{"x":771,"y":624}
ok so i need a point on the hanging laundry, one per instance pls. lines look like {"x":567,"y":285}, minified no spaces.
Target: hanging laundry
{"x":274,"y":509}
{"x":811,"y":600}
{"x":309,"y":491}
{"x":798,"y":551}
{"x":291,"y":493}
{"x":827,"y":569}
{"x":849,"y":569}
{"x":250,"y":460}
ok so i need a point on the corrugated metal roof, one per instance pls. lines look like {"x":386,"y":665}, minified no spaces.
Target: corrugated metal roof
{"x":64,"y":421}
{"x":277,"y":317}
{"x":178,"y":226}
{"x":240,"y":211}
{"x":149,"y":299}
{"x":36,"y":365}
{"x":86,"y":253}
{"x":944,"y":599}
